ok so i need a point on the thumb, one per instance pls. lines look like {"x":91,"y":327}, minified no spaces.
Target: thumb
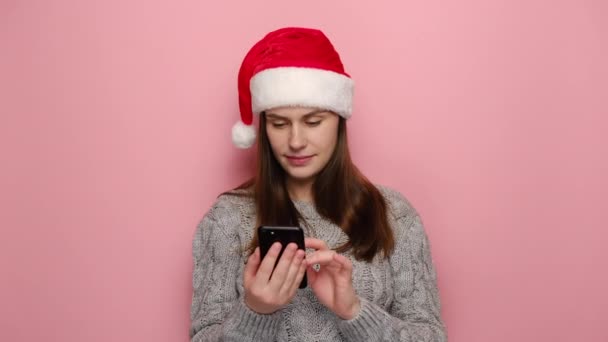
{"x":251,"y":268}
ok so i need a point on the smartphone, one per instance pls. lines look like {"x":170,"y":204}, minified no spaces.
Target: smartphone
{"x":267,"y":235}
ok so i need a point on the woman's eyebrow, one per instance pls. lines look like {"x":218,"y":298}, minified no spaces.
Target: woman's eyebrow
{"x":305,"y":116}
{"x":274,"y":116}
{"x":319,"y":111}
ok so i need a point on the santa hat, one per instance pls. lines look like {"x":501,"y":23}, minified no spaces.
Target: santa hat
{"x":290,"y":67}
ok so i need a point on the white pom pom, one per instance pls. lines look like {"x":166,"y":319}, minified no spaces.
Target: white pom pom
{"x":243,"y":136}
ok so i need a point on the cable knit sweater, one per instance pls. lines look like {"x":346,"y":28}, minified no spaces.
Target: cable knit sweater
{"x":399,"y":296}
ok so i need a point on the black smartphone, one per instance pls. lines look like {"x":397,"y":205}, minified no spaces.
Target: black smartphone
{"x":267,"y":235}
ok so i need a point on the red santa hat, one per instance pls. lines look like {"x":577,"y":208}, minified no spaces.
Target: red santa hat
{"x":290,"y":67}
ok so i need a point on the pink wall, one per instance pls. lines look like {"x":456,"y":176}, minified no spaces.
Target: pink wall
{"x":489,"y":115}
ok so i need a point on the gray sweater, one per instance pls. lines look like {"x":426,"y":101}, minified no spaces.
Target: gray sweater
{"x":399,"y":296}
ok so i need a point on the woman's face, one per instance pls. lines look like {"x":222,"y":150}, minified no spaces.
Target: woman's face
{"x":302,"y":140}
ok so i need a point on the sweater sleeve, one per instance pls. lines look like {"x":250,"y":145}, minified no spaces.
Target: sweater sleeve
{"x":415,"y":312}
{"x":217,"y":313}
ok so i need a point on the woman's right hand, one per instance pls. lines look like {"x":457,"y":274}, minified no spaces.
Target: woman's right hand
{"x":265,"y":294}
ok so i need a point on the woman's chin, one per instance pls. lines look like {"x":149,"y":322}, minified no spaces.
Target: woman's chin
{"x":300,"y":176}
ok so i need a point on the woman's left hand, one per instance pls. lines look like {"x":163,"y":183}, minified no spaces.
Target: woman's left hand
{"x":332,"y":284}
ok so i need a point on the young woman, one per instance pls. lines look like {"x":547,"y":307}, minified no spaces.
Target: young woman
{"x":369,"y":268}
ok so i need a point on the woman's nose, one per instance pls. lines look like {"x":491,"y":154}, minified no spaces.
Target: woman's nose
{"x":297,"y":139}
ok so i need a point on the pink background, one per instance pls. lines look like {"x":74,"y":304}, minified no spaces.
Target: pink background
{"x":490,"y":116}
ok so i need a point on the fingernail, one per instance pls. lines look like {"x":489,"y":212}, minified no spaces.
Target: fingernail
{"x":276,"y":246}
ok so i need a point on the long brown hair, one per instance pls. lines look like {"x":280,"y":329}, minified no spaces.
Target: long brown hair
{"x":341,"y":194}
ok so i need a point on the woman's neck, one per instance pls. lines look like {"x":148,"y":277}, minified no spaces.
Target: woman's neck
{"x":300,"y":190}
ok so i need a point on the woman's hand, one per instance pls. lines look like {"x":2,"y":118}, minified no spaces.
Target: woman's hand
{"x":332,"y":284}
{"x":264,"y":293}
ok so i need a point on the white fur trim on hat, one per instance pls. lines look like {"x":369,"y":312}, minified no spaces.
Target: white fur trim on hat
{"x":243,"y":136}
{"x":299,"y":86}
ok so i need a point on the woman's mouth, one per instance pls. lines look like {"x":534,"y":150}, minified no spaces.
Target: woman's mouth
{"x":298,"y":160}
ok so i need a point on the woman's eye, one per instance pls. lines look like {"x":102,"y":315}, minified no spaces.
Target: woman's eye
{"x":278,"y":124}
{"x":313,"y":123}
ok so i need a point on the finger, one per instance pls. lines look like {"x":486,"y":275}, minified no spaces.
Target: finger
{"x":298,"y":280}
{"x":280,"y":272}
{"x":347,"y":265}
{"x":301,"y":273}
{"x":293,"y":271}
{"x":253,"y":262}
{"x":311,"y":275}
{"x":315,"y":244}
{"x":265,"y":269}
{"x":320,"y":257}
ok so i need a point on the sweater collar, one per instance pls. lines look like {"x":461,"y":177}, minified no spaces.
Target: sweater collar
{"x":306,"y":209}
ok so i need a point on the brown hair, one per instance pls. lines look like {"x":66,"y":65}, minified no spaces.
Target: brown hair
{"x":341,"y":193}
